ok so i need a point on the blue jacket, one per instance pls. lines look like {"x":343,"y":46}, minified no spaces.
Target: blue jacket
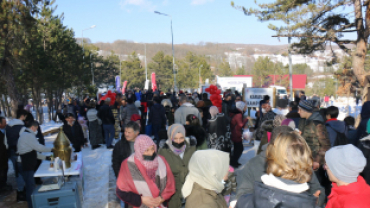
{"x":332,"y":127}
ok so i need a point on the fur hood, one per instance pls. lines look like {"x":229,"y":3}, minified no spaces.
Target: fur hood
{"x":196,"y":131}
{"x":267,"y":125}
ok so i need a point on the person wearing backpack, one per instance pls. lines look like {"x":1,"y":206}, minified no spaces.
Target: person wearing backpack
{"x":336,"y":129}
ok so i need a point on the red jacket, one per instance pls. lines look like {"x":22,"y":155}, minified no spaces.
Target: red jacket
{"x":355,"y":195}
{"x":236,"y":126}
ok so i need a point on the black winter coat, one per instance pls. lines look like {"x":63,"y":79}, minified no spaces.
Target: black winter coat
{"x":365,"y":116}
{"x":13,"y":132}
{"x":269,"y":197}
{"x":157,"y":115}
{"x":198,"y":132}
{"x":219,"y":133}
{"x":120,"y":153}
{"x":75,"y":135}
{"x":106,"y":115}
{"x":3,"y":153}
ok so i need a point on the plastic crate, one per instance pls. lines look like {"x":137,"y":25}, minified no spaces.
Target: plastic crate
{"x":66,"y":197}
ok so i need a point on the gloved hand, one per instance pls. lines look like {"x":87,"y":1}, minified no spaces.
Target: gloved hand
{"x":48,"y":158}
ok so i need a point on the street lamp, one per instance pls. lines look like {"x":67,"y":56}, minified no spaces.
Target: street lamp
{"x":173,"y":51}
{"x":83,"y":50}
{"x":199,"y":75}
{"x":92,"y":27}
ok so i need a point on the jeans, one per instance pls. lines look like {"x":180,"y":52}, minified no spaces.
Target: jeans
{"x":109,"y":132}
{"x":20,"y":182}
{"x":30,"y":185}
{"x":122,"y":204}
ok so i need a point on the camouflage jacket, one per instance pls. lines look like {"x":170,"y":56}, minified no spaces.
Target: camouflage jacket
{"x":314,"y":132}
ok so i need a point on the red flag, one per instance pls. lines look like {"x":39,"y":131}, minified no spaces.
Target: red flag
{"x":154,"y":84}
{"x":124,"y":85}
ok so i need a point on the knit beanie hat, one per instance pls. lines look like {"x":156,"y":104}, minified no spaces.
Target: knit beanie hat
{"x":307,"y":105}
{"x":346,"y":162}
{"x":213,"y":110}
{"x":288,"y":122}
{"x":240,"y":105}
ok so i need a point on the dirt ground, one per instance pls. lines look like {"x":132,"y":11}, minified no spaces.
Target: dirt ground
{"x":9,"y":199}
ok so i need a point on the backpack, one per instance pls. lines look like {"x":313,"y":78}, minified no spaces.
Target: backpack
{"x":341,"y":138}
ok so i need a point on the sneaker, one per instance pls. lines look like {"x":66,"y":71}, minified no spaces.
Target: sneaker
{"x":110,"y":147}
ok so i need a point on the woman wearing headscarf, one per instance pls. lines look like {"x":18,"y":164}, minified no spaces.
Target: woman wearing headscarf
{"x":237,"y":124}
{"x":145,"y":179}
{"x":204,"y":183}
{"x":177,"y":152}
{"x":95,"y":128}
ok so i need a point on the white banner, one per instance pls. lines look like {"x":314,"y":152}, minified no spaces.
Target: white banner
{"x":234,"y":82}
{"x":253,"y":96}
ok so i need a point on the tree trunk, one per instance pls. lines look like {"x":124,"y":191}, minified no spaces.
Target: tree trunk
{"x":11,"y":88}
{"x":358,"y":59}
{"x":37,"y":99}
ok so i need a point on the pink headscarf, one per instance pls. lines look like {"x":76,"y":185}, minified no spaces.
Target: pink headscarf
{"x":142,"y":143}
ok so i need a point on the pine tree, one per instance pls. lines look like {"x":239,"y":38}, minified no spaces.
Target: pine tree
{"x":319,"y":23}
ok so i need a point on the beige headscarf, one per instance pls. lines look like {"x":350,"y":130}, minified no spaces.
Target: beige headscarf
{"x":206,"y":168}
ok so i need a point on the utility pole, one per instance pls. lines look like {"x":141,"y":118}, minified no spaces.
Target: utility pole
{"x":146,"y":69}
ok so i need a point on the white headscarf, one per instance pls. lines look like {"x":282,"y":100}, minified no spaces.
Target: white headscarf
{"x":206,"y":168}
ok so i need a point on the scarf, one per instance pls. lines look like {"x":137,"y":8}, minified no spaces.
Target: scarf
{"x":133,"y":178}
{"x":142,"y":143}
{"x":208,"y":169}
{"x":171,"y":132}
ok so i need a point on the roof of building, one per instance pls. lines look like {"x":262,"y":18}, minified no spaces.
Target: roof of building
{"x":299,"y":80}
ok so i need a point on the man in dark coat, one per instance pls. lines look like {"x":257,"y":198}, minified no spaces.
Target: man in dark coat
{"x":3,"y":157}
{"x":73,"y":131}
{"x":106,"y":115}
{"x":228,"y":106}
{"x":125,"y":147}
{"x":157,"y":117}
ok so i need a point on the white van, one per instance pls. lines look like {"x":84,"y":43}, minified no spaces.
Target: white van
{"x":280,"y":91}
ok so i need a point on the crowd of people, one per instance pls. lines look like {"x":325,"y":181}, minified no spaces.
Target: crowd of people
{"x":179,"y":150}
